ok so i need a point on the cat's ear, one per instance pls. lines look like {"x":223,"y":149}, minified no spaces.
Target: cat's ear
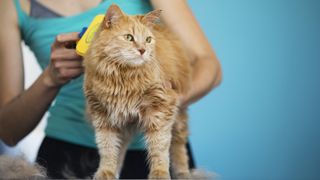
{"x":152,"y":18}
{"x":113,"y":15}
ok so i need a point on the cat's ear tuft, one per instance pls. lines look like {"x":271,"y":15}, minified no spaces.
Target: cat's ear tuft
{"x":152,"y":18}
{"x":113,"y":14}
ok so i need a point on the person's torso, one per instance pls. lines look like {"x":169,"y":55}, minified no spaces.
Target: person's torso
{"x":67,"y":118}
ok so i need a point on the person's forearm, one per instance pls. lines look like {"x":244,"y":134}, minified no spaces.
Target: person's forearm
{"x":206,"y":75}
{"x":20,"y":116}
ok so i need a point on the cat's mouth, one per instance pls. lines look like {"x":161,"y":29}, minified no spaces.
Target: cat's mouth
{"x":136,"y":61}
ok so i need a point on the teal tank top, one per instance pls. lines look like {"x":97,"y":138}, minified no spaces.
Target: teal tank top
{"x":67,"y":117}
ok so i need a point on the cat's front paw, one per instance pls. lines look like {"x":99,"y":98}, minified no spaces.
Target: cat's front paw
{"x":159,"y":174}
{"x":104,"y":174}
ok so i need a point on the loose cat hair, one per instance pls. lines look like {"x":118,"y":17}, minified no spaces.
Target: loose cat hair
{"x":127,"y":69}
{"x":20,"y":168}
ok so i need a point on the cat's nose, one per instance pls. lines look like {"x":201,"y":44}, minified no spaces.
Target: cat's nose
{"x":141,"y":51}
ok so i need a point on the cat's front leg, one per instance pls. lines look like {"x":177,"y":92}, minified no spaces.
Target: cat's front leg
{"x":158,"y":116}
{"x":126,"y":137}
{"x":108,"y":141}
{"x":178,"y":149}
{"x":158,"y":143}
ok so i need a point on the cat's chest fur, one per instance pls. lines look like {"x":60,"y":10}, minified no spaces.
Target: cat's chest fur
{"x":119,"y":96}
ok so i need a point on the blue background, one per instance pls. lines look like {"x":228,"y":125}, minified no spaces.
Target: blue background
{"x":263,"y":122}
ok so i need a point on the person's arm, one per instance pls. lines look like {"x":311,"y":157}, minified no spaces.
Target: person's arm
{"x":206,"y":67}
{"x":21,"y":110}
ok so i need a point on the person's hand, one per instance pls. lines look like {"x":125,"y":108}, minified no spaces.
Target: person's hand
{"x":65,"y":64}
{"x":183,"y":98}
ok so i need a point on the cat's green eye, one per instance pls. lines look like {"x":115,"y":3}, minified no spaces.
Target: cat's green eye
{"x":148,"y":40}
{"x":129,"y":37}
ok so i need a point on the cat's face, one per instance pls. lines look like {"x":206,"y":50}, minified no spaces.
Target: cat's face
{"x":129,"y":39}
{"x":133,"y":44}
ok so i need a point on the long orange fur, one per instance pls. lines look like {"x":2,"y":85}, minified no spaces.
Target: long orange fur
{"x":126,"y":92}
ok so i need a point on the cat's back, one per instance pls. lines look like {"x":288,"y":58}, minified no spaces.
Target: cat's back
{"x":173,"y":58}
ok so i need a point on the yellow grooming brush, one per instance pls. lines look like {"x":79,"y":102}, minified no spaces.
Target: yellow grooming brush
{"x":87,"y":35}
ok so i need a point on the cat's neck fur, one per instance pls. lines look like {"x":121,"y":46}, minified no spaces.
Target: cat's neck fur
{"x":116,"y":74}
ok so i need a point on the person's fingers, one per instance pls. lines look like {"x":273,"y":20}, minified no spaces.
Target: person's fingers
{"x":65,"y":40}
{"x":62,"y":38}
{"x":68,"y":64}
{"x":70,"y":45}
{"x":64,"y":54}
{"x":67,"y":73}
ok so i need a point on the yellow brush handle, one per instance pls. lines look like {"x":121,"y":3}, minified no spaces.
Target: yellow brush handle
{"x":84,"y":42}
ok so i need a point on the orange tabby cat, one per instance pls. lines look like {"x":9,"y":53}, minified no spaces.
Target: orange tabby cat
{"x":126,"y":68}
